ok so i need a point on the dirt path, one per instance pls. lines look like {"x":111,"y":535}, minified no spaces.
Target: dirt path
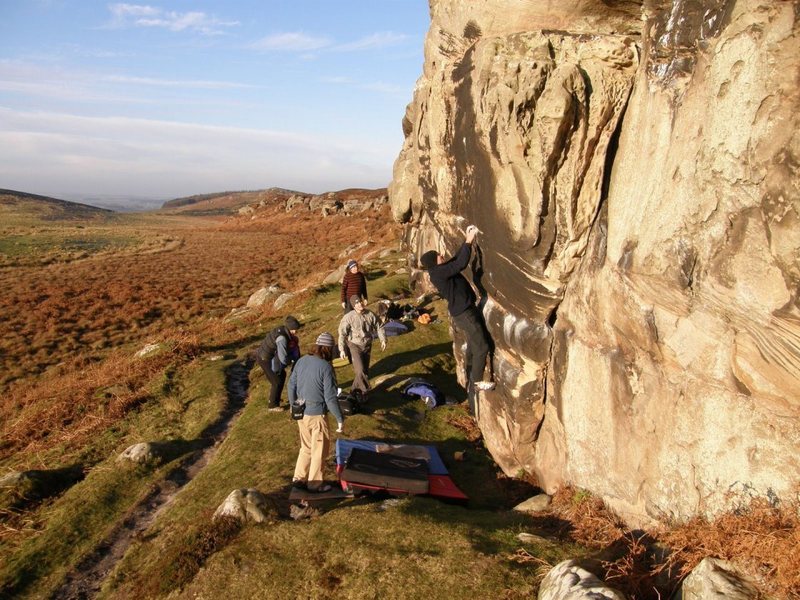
{"x":87,"y":578}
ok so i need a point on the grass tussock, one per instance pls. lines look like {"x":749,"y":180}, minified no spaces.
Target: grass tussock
{"x":183,"y":560}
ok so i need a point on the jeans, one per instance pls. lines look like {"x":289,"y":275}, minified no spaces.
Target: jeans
{"x":470,"y":323}
{"x":360,"y":358}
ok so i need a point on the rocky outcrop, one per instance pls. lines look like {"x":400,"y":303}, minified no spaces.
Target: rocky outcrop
{"x":633,"y":168}
{"x":345,"y":202}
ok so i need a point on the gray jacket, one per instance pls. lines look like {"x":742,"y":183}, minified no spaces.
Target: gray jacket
{"x":314,"y":381}
{"x":359,"y":329}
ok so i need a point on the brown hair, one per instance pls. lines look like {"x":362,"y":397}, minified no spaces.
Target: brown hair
{"x":323,"y":352}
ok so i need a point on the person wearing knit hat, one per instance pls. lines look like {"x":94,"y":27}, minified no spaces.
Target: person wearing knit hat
{"x":446,"y":277}
{"x":312,"y":384}
{"x":279,"y":349}
{"x":357,"y":329}
{"x":354,"y":282}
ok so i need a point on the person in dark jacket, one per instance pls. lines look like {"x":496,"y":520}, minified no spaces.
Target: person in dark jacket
{"x":278,"y":350}
{"x":313,"y":384}
{"x":446,"y":276}
{"x":353,"y":284}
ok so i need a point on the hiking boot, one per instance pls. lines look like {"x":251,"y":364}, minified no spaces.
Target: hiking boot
{"x":484,"y":386}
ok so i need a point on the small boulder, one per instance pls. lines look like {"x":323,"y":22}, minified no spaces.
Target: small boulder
{"x":148,"y":350}
{"x":535,"y":504}
{"x":238,"y":313}
{"x":715,"y":578}
{"x":260,"y":297}
{"x":140,"y":454}
{"x":247,"y":210}
{"x":335,"y":276}
{"x":283,"y":299}
{"x":569,"y":581}
{"x":245,"y":505}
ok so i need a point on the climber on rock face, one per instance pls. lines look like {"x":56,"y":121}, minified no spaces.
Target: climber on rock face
{"x":446,"y":276}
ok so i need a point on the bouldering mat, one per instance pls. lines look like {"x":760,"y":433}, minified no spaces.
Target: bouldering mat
{"x":335,"y":493}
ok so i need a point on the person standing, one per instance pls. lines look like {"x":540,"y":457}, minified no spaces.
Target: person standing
{"x":451,"y":284}
{"x":278,"y":350}
{"x":313,"y":381}
{"x":356,"y":332}
{"x":353,"y":284}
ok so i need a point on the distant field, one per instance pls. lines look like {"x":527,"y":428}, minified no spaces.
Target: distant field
{"x":84,"y":288}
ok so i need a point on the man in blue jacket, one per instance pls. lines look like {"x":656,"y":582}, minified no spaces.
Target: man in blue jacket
{"x":446,"y":276}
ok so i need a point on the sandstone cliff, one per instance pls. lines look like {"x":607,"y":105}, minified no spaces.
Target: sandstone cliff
{"x":633,"y":167}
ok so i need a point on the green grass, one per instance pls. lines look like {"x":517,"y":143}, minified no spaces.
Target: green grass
{"x":73,"y":524}
{"x":357,"y":548}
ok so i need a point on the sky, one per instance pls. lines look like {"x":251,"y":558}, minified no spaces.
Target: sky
{"x":135,"y":103}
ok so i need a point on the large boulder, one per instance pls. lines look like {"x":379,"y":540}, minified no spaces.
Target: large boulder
{"x":633,"y":169}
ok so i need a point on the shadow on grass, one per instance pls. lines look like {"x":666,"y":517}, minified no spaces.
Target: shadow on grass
{"x":34,"y":486}
{"x":377,"y":274}
{"x":395,"y":362}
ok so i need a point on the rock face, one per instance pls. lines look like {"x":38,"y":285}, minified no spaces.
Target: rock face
{"x":633,"y":168}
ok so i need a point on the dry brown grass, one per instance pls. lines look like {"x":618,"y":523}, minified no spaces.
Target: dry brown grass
{"x":760,"y":539}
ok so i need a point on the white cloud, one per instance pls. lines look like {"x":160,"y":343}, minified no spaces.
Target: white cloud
{"x":121,"y":10}
{"x":58,"y":154}
{"x":138,"y":15}
{"x":183,"y":83}
{"x":381,"y":39}
{"x":300,"y":42}
{"x":291,"y":42}
{"x":55,"y":83}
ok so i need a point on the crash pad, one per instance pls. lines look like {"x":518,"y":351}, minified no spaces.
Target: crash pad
{"x":440,"y":484}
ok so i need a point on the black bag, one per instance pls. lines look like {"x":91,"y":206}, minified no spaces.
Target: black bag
{"x":298,"y":409}
{"x":387,"y":471}
{"x":350,"y":404}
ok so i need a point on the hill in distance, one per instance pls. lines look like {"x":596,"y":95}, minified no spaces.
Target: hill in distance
{"x":15,"y":206}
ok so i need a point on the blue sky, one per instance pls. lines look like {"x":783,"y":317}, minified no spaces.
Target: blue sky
{"x":120,"y":101}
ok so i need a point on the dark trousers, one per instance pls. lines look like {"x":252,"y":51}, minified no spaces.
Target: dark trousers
{"x":360,"y":358}
{"x":276,"y":382}
{"x":470,"y":323}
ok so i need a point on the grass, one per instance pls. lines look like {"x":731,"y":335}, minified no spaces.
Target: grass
{"x":419,"y":540}
{"x":75,"y":523}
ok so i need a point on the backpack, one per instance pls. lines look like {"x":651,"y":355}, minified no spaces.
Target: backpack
{"x":350,"y":404}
